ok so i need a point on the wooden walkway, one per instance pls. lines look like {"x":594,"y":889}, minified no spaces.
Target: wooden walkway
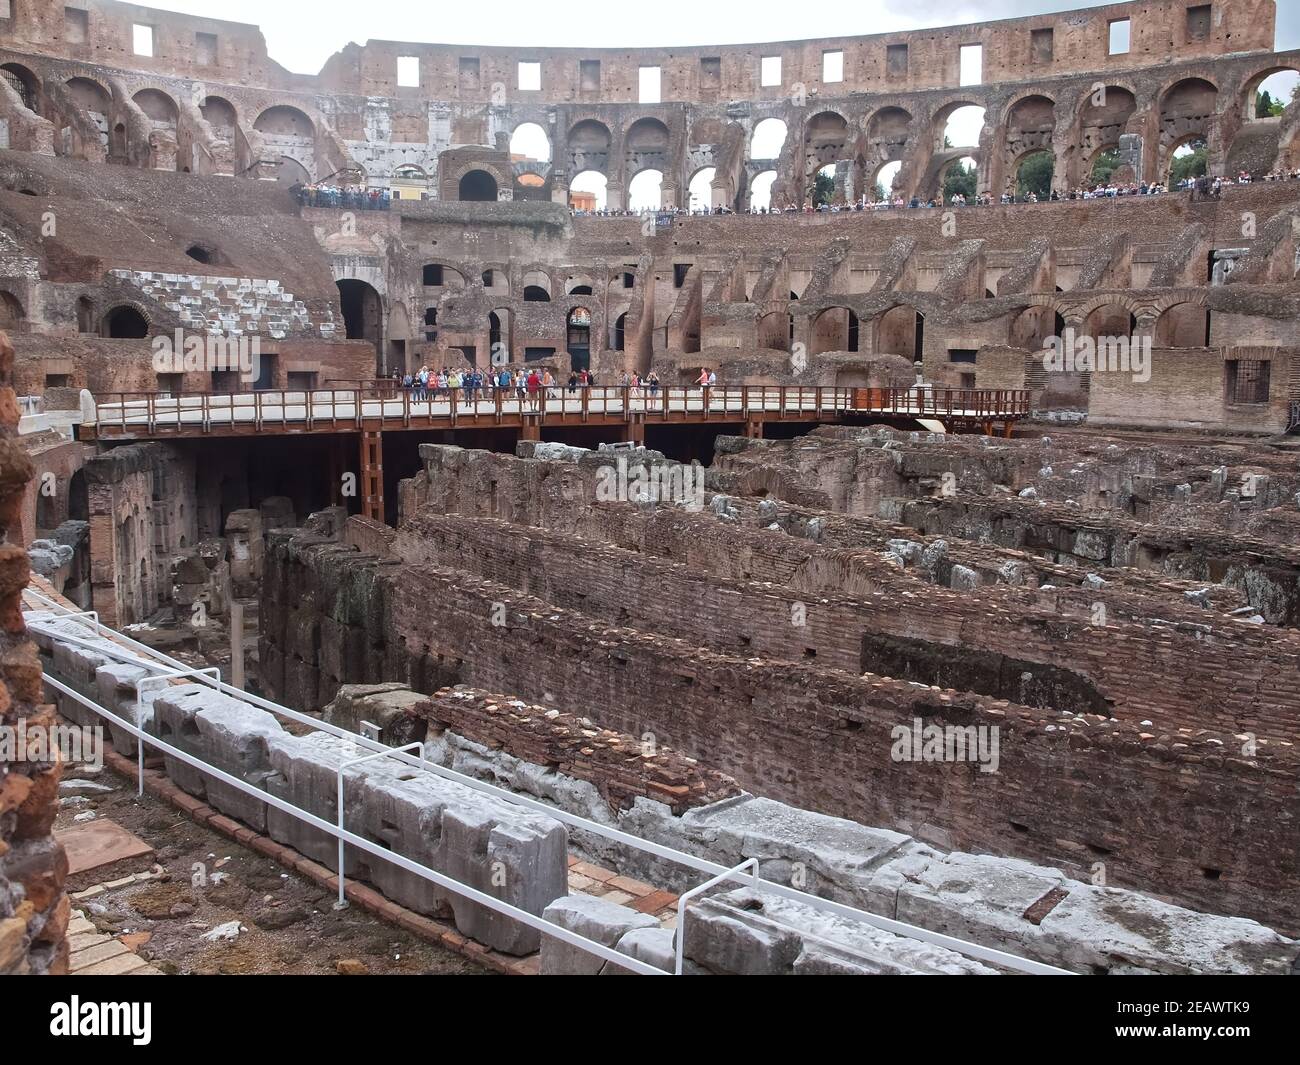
{"x":380,"y":407}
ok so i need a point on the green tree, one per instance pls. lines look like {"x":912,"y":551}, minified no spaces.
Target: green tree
{"x":823,"y":190}
{"x":1036,"y":175}
{"x":1267,"y":107}
{"x":1104,"y":166}
{"x":1190,"y":164}
{"x":959,"y":180}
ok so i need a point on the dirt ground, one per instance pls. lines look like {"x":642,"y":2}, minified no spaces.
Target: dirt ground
{"x":286,"y":924}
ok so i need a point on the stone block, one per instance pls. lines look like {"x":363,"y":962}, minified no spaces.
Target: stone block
{"x":604,"y":922}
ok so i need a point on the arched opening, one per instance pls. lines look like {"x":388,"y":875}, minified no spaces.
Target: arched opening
{"x":199,"y":254}
{"x":959,"y":126}
{"x":1028,"y":135}
{"x":282,"y":121}
{"x":768,"y":139}
{"x":823,"y":189}
{"x":1110,"y":320}
{"x":124,"y":323}
{"x":537,"y":287}
{"x":619,"y":340}
{"x":530,"y":144}
{"x":478,"y":186}
{"x":11,"y":312}
{"x":835,"y":329}
{"x":1103,"y":118}
{"x":900,"y":331}
{"x":773,"y":331}
{"x":530,"y":186}
{"x":646,"y":147}
{"x":499,"y":336}
{"x":701,"y":189}
{"x":882,"y":189}
{"x":587,"y":191}
{"x":887,"y":134}
{"x":1188,"y":161}
{"x":645,"y":191}
{"x":961,"y":180}
{"x":363,"y":312}
{"x":1033,"y":175}
{"x":1184,"y":325}
{"x":1269,"y":94}
{"x":826,"y":142}
{"x":219,"y":113}
{"x":97,"y":103}
{"x":289,"y":171}
{"x":588,"y":146}
{"x":579,"y":339}
{"x":23,"y":82}
{"x":438,"y":275}
{"x":1187,"y":110}
{"x":1033,"y":326}
{"x":160,"y":108}
{"x":578,"y":286}
{"x":760,"y":191}
{"x":409,"y":182}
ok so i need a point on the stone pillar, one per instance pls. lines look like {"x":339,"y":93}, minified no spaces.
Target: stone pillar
{"x":1131,"y":154}
{"x":33,"y":907}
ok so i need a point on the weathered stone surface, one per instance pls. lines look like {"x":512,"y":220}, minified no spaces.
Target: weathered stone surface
{"x":757,"y":934}
{"x":606,"y":923}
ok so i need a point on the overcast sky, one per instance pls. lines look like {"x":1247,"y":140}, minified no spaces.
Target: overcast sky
{"x":302,"y":34}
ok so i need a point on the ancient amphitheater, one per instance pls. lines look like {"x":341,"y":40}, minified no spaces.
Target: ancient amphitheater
{"x":850,"y":522}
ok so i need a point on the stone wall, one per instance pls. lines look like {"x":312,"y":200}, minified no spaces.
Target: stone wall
{"x":33,"y":907}
{"x":143,"y":514}
{"x":1175,"y":812}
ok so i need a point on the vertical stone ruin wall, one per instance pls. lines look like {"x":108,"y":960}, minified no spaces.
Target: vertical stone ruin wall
{"x":33,"y":906}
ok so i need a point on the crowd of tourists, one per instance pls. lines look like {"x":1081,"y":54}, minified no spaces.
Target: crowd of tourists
{"x":1200,"y":186}
{"x":527,"y":385}
{"x":349,"y":197}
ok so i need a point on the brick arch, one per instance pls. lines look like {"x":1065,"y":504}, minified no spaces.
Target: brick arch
{"x":11,"y":310}
{"x":1084,"y":309}
{"x":218,"y":103}
{"x":1026,"y":95}
{"x":118,"y":306}
{"x":591,"y":149}
{"x":158,"y":104}
{"x":1188,"y":328}
{"x":281,"y":115}
{"x":941,"y":111}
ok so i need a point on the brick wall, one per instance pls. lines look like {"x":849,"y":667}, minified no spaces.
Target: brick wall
{"x":622,"y":767}
{"x":33,"y":908}
{"x":1178,"y":813}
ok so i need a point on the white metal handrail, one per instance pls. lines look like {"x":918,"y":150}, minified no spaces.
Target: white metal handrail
{"x":682,"y":858}
{"x":373,"y":849}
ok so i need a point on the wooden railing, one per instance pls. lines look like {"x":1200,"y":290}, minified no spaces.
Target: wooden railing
{"x":377,"y":405}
